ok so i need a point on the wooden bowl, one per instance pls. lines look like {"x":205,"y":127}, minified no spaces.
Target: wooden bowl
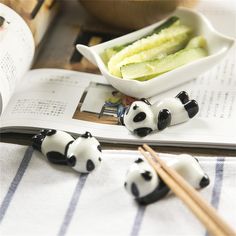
{"x":130,"y":14}
{"x":188,"y":3}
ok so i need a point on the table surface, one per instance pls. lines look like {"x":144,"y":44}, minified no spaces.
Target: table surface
{"x":58,"y":51}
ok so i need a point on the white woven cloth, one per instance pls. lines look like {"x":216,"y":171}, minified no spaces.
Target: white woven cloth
{"x":38,"y":198}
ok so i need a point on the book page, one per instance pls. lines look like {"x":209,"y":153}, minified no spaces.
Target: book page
{"x":48,"y":95}
{"x":16,"y":51}
{"x":215,"y":91}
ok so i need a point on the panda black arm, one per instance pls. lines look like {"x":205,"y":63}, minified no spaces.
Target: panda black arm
{"x":142,"y":132}
{"x":164,"y":119}
{"x":56,"y":158}
{"x":161,"y":191}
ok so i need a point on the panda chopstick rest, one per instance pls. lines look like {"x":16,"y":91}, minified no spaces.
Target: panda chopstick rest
{"x":82,"y":154}
{"x":142,"y":118}
{"x":144,"y":184}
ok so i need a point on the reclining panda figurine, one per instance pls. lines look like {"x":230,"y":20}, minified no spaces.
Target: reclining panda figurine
{"x":142,"y":118}
{"x":144,"y":184}
{"x":82,"y":154}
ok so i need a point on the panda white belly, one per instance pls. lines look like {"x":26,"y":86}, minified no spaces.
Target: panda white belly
{"x":56,"y":143}
{"x":176,"y":108}
{"x":189,"y":168}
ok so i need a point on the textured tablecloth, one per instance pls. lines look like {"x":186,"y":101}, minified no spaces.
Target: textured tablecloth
{"x":38,"y":198}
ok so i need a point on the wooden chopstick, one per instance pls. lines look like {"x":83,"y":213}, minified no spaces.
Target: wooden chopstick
{"x":210,"y":225}
{"x":204,"y":211}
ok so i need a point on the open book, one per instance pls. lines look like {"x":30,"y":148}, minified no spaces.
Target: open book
{"x":77,"y":102}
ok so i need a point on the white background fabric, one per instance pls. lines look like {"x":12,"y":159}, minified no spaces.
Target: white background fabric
{"x":39,"y":198}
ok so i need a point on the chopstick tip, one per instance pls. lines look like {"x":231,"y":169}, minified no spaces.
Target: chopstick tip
{"x":140,"y":149}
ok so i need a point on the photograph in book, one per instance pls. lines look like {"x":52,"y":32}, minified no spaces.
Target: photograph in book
{"x":78,"y":102}
{"x":109,"y":106}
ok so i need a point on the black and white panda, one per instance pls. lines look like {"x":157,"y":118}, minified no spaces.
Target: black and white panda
{"x":82,"y":154}
{"x":142,"y":118}
{"x":144,"y":184}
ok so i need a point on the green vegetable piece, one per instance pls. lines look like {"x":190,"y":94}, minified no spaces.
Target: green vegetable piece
{"x":197,"y":42}
{"x":149,"y":69}
{"x":158,"y":52}
{"x":155,"y":40}
{"x":170,"y":21}
{"x":109,"y":52}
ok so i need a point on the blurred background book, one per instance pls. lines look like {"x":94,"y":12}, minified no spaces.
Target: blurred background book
{"x":38,"y":14}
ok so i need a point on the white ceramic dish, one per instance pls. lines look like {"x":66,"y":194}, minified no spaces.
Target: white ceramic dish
{"x":218,"y":46}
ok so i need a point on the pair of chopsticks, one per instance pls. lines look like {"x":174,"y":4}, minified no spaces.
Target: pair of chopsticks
{"x":203,"y":210}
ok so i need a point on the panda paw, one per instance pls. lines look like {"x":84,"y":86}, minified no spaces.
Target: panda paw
{"x":164,"y":119}
{"x":37,"y":141}
{"x":192,"y":108}
{"x":183,"y":97}
{"x":142,"y":132}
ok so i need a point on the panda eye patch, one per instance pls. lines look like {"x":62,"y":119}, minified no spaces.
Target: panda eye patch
{"x":147,"y":175}
{"x":134,"y":190}
{"x":139,"y":117}
{"x":90,"y":165}
{"x":71,"y":161}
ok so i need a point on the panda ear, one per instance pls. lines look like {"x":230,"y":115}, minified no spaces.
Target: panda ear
{"x":145,"y":101}
{"x":51,"y":132}
{"x":86,"y":135}
{"x":139,"y":160}
{"x":71,"y":161}
{"x":99,"y":148}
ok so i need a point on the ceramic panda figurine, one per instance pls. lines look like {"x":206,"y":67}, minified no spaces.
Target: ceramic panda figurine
{"x":142,"y":118}
{"x":82,"y":154}
{"x":144,"y":184}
